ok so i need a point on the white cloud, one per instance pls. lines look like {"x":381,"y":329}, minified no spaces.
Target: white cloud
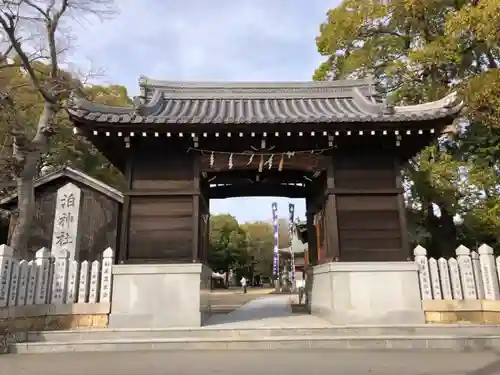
{"x":257,"y":40}
{"x":205,"y":40}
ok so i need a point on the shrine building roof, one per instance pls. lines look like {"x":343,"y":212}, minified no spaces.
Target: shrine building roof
{"x":73,"y":175}
{"x":342,"y":101}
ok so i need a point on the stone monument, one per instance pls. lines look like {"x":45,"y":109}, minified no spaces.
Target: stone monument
{"x":66,"y":220}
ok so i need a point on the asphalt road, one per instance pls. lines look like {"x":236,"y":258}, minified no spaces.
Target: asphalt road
{"x":315,"y":362}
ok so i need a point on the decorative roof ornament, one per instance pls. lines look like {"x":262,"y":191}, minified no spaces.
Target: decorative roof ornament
{"x":371,"y":77}
{"x":143,"y":80}
{"x":76,"y":100}
{"x":72,"y":99}
{"x":372,"y":83}
{"x":387,"y":107}
{"x":138,"y":103}
{"x":451,"y":100}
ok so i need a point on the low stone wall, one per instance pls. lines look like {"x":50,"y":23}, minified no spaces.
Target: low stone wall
{"x":54,"y":317}
{"x":462,"y":311}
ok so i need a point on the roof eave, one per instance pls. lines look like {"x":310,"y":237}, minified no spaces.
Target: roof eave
{"x":75,"y":175}
{"x":87,"y":112}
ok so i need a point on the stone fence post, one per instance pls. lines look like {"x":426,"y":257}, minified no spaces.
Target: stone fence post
{"x":6,"y":261}
{"x":489,"y":273}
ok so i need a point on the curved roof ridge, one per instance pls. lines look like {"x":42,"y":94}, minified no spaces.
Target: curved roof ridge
{"x":367,"y":104}
{"x":449,"y":101}
{"x":322,"y":102}
{"x":178,"y":84}
{"x":79,"y":102}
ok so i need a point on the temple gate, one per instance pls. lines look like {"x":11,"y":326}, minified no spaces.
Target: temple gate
{"x":337,"y":144}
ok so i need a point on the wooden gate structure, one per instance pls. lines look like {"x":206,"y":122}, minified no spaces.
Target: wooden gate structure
{"x":337,"y":144}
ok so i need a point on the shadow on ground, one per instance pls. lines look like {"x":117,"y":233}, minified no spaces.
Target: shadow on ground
{"x":256,"y":309}
{"x":492,"y":368}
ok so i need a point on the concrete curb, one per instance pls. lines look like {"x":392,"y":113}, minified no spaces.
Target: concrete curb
{"x":454,"y":343}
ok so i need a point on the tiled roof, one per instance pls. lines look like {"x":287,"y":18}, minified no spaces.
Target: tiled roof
{"x":247,"y":103}
{"x":75,"y":175}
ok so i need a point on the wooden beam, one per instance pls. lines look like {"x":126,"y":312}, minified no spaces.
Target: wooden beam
{"x":161,"y":193}
{"x":256,"y":190}
{"x":301,"y":162}
{"x":266,"y":173}
{"x":374,"y":191}
{"x":269,"y":128}
{"x":266,"y":176}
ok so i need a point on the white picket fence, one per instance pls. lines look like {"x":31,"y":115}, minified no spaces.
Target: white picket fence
{"x":470,"y":275}
{"x":53,"y":279}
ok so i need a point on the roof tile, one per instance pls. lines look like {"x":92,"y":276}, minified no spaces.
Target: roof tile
{"x":247,"y":103}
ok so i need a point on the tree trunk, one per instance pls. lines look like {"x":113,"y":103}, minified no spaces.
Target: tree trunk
{"x":29,"y":160}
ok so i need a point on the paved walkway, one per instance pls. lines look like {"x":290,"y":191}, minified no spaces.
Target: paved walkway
{"x":250,"y":362}
{"x":270,"y":311}
{"x":251,"y":290}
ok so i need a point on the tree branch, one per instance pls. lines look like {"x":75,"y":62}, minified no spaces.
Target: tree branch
{"x":36,"y":7}
{"x":367,"y":32}
{"x":9,"y":27}
{"x":52,"y":25}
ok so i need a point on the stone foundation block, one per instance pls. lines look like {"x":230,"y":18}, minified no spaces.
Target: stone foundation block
{"x":367,"y":293}
{"x":160,"y":295}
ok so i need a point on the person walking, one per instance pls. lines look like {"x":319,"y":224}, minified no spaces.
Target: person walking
{"x":243,"y":283}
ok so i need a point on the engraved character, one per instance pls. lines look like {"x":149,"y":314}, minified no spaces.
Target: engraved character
{"x":66,"y":219}
{"x":68,"y":200}
{"x":63,"y":238}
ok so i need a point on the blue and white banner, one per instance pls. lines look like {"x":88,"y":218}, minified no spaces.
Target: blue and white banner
{"x":274,"y":207}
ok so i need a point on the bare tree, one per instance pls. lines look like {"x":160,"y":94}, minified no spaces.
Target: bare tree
{"x":32,"y":33}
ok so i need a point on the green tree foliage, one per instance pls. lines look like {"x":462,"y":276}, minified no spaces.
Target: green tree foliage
{"x":30,"y":39}
{"x":66,"y":148}
{"x":419,"y":50}
{"x":234,"y":246}
{"x":228,"y":243}
{"x":261,"y":246}
{"x":74,"y":150}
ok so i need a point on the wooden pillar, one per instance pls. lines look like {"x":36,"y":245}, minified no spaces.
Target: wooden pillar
{"x":125,"y":215}
{"x":403,"y":222}
{"x":331,"y":230}
{"x":204,"y":225}
{"x":206,"y":228}
{"x":195,"y":252}
{"x":312,"y":246}
{"x":319,"y":229}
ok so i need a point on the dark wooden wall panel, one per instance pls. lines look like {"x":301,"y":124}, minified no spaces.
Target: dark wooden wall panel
{"x":372,"y":233}
{"x":366,"y":203}
{"x":362,"y":171}
{"x":365,"y":179}
{"x":367,"y":207}
{"x":161,"y":228}
{"x":163,"y":172}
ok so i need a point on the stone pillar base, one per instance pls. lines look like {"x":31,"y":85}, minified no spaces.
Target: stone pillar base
{"x":367,"y":293}
{"x":160,"y":295}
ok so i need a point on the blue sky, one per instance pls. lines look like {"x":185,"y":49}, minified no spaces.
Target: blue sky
{"x":222,"y":40}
